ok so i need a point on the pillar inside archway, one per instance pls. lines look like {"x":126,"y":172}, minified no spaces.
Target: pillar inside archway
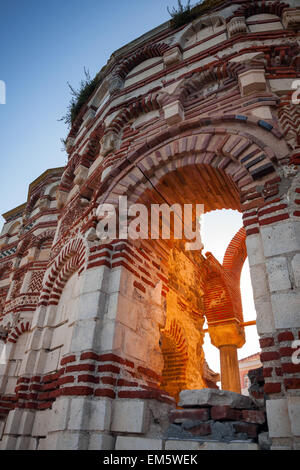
{"x":228,"y":337}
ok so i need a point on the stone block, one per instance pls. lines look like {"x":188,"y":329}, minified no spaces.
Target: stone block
{"x":296,"y":269}
{"x":138,"y":443}
{"x":286,"y":309}
{"x":68,"y":440}
{"x":280,"y":238}
{"x":264,"y":320}
{"x":130,"y":416}
{"x":278,"y":274}
{"x":79,"y":414}
{"x":294,"y":414}
{"x":172,"y":56}
{"x":259,"y":281}
{"x":213,"y":397}
{"x":41,"y":422}
{"x":101,"y":442}
{"x":278,"y":418}
{"x":173,"y":112}
{"x":12,"y":425}
{"x":252,"y":81}
{"x":100,"y":415}
{"x":59,"y":414}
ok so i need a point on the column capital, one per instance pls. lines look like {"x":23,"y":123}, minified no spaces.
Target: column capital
{"x":229,"y":333}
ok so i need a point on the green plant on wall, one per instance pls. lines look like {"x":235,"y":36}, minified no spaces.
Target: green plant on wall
{"x":80,"y":96}
{"x":184,"y":14}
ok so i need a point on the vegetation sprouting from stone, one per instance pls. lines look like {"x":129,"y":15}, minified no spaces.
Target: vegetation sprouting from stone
{"x":80,"y":96}
{"x":184,"y":14}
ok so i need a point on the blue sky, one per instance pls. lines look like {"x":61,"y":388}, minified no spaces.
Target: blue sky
{"x":44,"y":45}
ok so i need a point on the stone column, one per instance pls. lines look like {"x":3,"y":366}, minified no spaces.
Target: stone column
{"x":230,"y":377}
{"x":227,"y":337}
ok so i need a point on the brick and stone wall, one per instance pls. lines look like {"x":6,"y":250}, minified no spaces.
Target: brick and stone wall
{"x":90,"y":331}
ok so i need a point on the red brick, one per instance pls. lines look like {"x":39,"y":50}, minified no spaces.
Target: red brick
{"x":292,"y":383}
{"x":253,"y":416}
{"x":109,"y":368}
{"x":269,"y":356}
{"x":77,"y":391}
{"x":88,"y":378}
{"x":221,"y":412}
{"x":68,"y":359}
{"x":201,"y":414}
{"x":247,"y":428}
{"x":80,"y":368}
{"x":285,"y":336}
{"x":266,"y":342}
{"x":286,"y":352}
{"x":105,"y":392}
{"x":202,"y":429}
{"x":89,"y":355}
{"x":272,"y":387}
{"x":290,"y":368}
{"x":267,"y":371}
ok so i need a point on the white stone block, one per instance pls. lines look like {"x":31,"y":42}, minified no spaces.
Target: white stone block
{"x":286,"y":309}
{"x":296,"y":269}
{"x":280,"y":238}
{"x":100,"y":415}
{"x":59,"y":414}
{"x":83,"y":337}
{"x":131,"y":416}
{"x":68,"y":440}
{"x":95,"y":280}
{"x":79,"y":414}
{"x":294,"y":414}
{"x":8,"y":443}
{"x":26,"y":422}
{"x":12,"y":425}
{"x":255,"y":250}
{"x":278,"y":418}
{"x":252,"y":81}
{"x":138,"y":443}
{"x":173,"y":112}
{"x":111,"y":337}
{"x":41,"y":422}
{"x":278,"y":274}
{"x":101,"y":442}
{"x":259,"y":281}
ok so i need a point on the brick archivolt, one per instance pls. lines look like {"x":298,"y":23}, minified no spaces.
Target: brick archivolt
{"x":228,"y":145}
{"x":71,"y":259}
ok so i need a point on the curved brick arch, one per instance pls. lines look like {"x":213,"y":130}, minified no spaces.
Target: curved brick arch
{"x":142,"y":54}
{"x":21,"y":327}
{"x":222,"y":288}
{"x":236,"y":254}
{"x":234,"y":149}
{"x":197,"y":25}
{"x":255,"y":8}
{"x":24,"y":246}
{"x":37,"y":241}
{"x":4,"y":268}
{"x":175,"y":351}
{"x":71,"y":259}
{"x":145,"y":105}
